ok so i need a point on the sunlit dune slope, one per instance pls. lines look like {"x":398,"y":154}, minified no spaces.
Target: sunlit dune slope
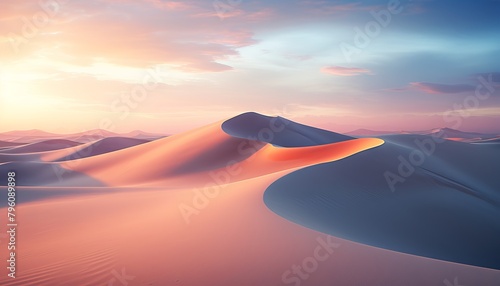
{"x":191,"y":154}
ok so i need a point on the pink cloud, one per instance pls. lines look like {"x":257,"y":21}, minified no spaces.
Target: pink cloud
{"x":160,"y":32}
{"x":299,"y":57}
{"x":344,"y":71}
{"x":236,"y":38}
{"x":260,"y":15}
{"x":221,"y":14}
{"x":205,"y":67}
{"x":325,"y":8}
{"x":167,"y":5}
{"x":171,"y":5}
{"x":235,"y":12}
{"x":439,"y":88}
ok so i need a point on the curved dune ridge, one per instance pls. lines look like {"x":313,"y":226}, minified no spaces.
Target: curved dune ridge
{"x":98,"y":147}
{"x":44,"y":168}
{"x":47,"y":145}
{"x":445,"y":205}
{"x":278,"y":131}
{"x":175,"y":159}
{"x":4,"y":144}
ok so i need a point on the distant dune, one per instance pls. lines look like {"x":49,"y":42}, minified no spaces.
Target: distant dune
{"x":368,"y":132}
{"x":43,"y":146}
{"x":34,"y":136}
{"x":452,"y":133}
{"x":492,"y":140}
{"x":95,"y":148}
{"x":444,"y":133}
{"x":4,"y":144}
{"x":27,"y":136}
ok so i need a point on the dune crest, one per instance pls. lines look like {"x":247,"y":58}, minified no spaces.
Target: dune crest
{"x":278,"y":131}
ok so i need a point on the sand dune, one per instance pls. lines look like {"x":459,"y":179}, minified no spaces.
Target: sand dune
{"x":445,"y":133}
{"x":176,"y":159}
{"x":368,"y":132}
{"x":278,"y":131}
{"x":16,"y":136}
{"x":447,"y":208}
{"x":200,"y":208}
{"x":98,"y":147}
{"x":7,"y":158}
{"x":492,"y":140}
{"x":76,"y":151}
{"x":233,"y":240}
{"x":4,"y":144}
{"x":34,"y":136}
{"x":452,"y":133}
{"x":47,"y":145}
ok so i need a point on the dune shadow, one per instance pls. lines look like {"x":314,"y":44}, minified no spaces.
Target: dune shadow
{"x":448,"y":208}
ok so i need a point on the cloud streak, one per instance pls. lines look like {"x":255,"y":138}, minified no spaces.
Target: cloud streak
{"x":344,"y":71}
{"x":440,"y":88}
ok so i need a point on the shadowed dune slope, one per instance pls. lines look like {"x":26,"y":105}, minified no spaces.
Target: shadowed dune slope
{"x":99,"y":147}
{"x":444,"y":202}
{"x":29,"y":173}
{"x":492,"y":141}
{"x":278,"y":131}
{"x":102,"y":146}
{"x":4,"y":144}
{"x":43,"y":146}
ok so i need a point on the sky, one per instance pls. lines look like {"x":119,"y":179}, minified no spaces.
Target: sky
{"x":169,"y":66}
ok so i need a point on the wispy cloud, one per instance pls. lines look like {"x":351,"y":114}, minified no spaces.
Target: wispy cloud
{"x":327,"y":8}
{"x":440,"y":88}
{"x":344,"y":71}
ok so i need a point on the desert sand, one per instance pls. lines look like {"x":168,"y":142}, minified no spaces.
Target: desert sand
{"x":223,"y":205}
